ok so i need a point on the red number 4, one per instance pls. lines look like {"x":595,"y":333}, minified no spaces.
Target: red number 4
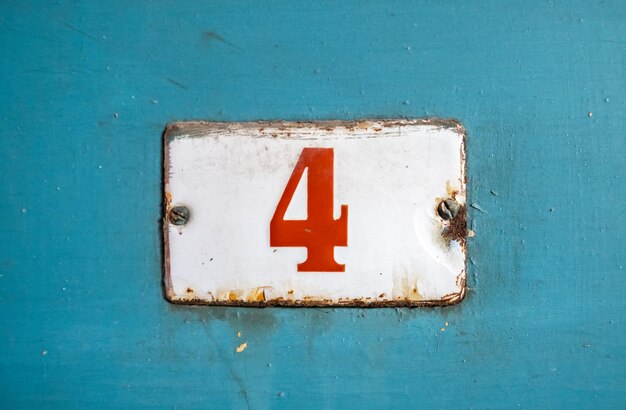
{"x":320,"y":232}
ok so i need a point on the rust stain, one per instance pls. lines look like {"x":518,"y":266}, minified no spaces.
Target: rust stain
{"x":414,"y":295}
{"x":241,"y":347}
{"x":452,"y":192}
{"x":456,"y":228}
{"x":257,"y":295}
{"x":447,"y":300}
{"x":283,"y":128}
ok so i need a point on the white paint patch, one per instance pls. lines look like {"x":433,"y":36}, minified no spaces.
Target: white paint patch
{"x":390,"y":174}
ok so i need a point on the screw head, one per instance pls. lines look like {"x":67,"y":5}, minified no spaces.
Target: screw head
{"x":179,"y":215}
{"x":448,"y":209}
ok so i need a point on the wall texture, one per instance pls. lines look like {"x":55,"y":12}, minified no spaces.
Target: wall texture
{"x":87,"y":89}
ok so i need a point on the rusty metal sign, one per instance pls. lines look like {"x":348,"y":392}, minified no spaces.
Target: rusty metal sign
{"x":365,"y":213}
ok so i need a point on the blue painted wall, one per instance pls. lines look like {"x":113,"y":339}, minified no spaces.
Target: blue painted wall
{"x":87,"y":89}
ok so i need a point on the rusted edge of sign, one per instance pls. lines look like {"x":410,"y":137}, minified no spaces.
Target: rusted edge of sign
{"x":453,"y":230}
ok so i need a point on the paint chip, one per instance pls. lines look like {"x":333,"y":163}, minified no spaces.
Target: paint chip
{"x":239,"y":334}
{"x":241,"y":347}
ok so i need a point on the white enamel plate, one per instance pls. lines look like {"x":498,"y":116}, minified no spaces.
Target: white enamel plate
{"x":365,"y":213}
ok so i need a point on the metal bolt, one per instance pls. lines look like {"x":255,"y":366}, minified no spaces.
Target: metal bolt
{"x":448,"y":209}
{"x":179,"y":215}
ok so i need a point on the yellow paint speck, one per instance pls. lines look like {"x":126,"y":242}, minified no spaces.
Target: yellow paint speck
{"x":238,"y":334}
{"x":443,"y":329}
{"x":446,"y":323}
{"x":241,"y":347}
